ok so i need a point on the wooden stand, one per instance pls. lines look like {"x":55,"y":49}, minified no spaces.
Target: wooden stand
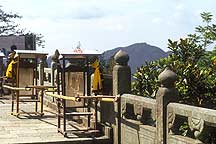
{"x":64,"y":110}
{"x":26,"y":74}
{"x":63,"y":114}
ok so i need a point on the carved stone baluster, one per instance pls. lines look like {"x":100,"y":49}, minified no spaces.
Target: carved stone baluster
{"x":171,"y":120}
{"x":196,"y":125}
{"x":138,"y":111}
{"x":123,"y":109}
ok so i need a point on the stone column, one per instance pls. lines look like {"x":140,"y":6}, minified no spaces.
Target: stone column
{"x":121,"y":85}
{"x":165,"y":94}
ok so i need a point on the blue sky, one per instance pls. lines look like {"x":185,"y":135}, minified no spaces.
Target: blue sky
{"x":106,"y":24}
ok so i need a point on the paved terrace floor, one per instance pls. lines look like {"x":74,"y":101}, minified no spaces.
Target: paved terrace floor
{"x":29,"y":128}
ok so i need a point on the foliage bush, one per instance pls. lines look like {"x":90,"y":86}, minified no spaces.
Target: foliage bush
{"x":194,"y":66}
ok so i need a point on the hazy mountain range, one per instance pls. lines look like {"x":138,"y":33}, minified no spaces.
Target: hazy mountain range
{"x":138,"y":53}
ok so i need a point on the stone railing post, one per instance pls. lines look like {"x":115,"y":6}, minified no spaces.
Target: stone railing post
{"x":121,"y":85}
{"x":41,"y":71}
{"x":1,"y":73}
{"x":1,"y":65}
{"x":54,"y":66}
{"x":165,"y":94}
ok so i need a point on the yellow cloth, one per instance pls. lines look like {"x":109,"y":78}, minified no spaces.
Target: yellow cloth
{"x":97,"y":83}
{"x":9,"y":72}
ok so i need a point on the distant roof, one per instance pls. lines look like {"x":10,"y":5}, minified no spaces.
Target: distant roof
{"x":30,"y":53}
{"x":78,"y":53}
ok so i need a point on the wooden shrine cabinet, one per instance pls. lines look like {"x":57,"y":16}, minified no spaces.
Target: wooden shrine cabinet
{"x":74,"y":79}
{"x":27,"y":77}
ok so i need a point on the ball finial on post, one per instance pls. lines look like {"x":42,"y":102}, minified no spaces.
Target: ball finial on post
{"x":121,"y":57}
{"x":167,"y":78}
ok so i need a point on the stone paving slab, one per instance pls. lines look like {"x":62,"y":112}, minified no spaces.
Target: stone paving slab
{"x":29,"y":128}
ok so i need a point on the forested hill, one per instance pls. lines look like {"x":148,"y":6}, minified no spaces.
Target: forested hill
{"x":138,"y":53}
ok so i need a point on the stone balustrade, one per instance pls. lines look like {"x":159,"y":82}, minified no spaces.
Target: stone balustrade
{"x":140,"y":120}
{"x":138,"y":108}
{"x":200,"y":122}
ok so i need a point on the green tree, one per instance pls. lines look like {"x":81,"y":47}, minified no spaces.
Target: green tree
{"x":194,"y":66}
{"x":38,"y":38}
{"x":9,"y":27}
{"x":7,"y":24}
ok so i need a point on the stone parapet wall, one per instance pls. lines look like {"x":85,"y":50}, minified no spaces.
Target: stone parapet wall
{"x":201,"y":123}
{"x":140,"y":120}
{"x":137,"y":120}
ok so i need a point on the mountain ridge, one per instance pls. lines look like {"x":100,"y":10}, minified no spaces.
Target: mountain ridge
{"x":139,"y":53}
